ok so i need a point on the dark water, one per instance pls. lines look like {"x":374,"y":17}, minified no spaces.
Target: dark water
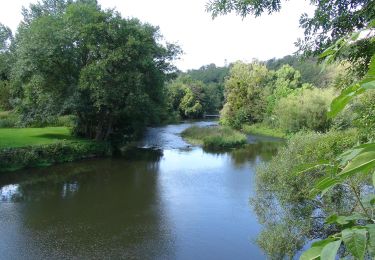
{"x":162,"y":200}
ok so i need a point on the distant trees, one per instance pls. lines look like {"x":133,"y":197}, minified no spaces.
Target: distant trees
{"x":197,"y":92}
{"x":310,"y":70}
{"x":187,"y":97}
{"x":254,"y":94}
{"x":72,"y":57}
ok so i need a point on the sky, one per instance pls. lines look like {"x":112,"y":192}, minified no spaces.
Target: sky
{"x":203,"y":40}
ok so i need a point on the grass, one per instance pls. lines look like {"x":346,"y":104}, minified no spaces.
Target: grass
{"x":214,"y":137}
{"x":21,"y":137}
{"x":261,"y":129}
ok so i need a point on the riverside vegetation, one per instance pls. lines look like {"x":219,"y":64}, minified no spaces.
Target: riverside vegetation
{"x":318,"y":187}
{"x":214,"y":137}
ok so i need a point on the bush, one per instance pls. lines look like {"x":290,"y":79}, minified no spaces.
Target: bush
{"x":5,"y":95}
{"x":8,"y":119}
{"x":304,"y":110}
{"x":365,"y":116}
{"x":283,"y":194}
{"x":214,"y":137}
{"x":263,"y":129}
{"x":39,"y":155}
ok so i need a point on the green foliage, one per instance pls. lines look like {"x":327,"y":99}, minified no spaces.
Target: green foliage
{"x":311,"y":71}
{"x":365,"y":119}
{"x":8,"y":119}
{"x":263,"y":129}
{"x":107,"y":71}
{"x":286,"y":81}
{"x":209,"y":74}
{"x":47,"y":154}
{"x":5,"y":95}
{"x":351,"y":164}
{"x":306,"y":109}
{"x":5,"y":66}
{"x":192,"y":98}
{"x":214,"y":137}
{"x":283,"y":200}
{"x":190,"y":105}
{"x":244,"y":94}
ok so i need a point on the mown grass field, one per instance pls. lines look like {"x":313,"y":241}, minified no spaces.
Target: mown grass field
{"x":20,"y":137}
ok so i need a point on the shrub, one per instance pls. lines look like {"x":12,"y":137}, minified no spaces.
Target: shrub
{"x":214,"y":137}
{"x":8,"y":119}
{"x":304,"y":110}
{"x":283,"y":194}
{"x":65,"y":151}
{"x":263,"y":129}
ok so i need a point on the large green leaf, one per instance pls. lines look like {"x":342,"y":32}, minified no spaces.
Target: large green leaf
{"x":302,"y":168}
{"x":329,"y":251}
{"x":324,"y":185}
{"x":355,"y":241}
{"x":363,"y":162}
{"x":368,"y":82}
{"x":369,"y":85}
{"x":312,"y":253}
{"x":344,"y":220}
{"x":344,"y":98}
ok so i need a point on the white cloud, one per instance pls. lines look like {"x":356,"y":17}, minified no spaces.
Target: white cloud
{"x":202,"y":39}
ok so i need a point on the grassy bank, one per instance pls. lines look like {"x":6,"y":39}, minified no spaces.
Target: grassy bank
{"x":260,"y":129}
{"x":33,"y":147}
{"x":214,"y":137}
{"x":19,"y":137}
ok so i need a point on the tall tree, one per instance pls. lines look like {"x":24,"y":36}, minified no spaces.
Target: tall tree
{"x":107,"y":70}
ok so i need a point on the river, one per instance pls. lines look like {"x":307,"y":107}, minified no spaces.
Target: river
{"x":164,"y":199}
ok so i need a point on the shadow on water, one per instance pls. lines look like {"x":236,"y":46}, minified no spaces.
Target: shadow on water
{"x":92,"y":209}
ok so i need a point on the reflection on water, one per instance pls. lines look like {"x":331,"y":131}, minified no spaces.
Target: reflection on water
{"x":171,"y":201}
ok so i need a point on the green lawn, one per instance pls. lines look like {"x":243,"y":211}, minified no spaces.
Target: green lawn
{"x":19,"y":137}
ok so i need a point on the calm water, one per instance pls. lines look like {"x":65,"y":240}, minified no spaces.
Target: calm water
{"x":162,"y":200}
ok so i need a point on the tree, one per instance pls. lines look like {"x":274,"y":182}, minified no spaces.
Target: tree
{"x":188,"y":97}
{"x":6,"y":38}
{"x":74,"y":58}
{"x":244,"y":94}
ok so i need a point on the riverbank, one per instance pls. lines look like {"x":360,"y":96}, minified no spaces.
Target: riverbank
{"x":36,"y":147}
{"x":261,"y":129}
{"x":214,"y":137}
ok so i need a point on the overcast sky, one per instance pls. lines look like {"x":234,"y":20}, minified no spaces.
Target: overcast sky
{"x":202,"y":39}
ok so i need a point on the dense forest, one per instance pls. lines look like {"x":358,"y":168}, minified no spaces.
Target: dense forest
{"x":107,"y":78}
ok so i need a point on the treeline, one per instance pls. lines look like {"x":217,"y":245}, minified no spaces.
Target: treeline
{"x":74,"y":58}
{"x":202,"y":91}
{"x":197,"y":92}
{"x":279,"y":98}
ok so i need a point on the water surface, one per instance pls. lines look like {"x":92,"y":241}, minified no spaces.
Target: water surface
{"x":164,"y":199}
